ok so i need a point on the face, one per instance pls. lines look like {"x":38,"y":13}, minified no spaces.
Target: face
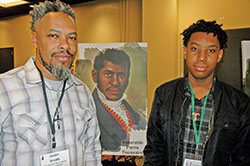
{"x":112,"y":80}
{"x":202,"y":55}
{"x":55,"y":40}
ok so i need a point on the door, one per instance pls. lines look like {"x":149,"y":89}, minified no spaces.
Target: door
{"x":6,"y":59}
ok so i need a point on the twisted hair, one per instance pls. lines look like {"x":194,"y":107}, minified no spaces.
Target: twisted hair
{"x":47,"y":6}
{"x":207,"y":27}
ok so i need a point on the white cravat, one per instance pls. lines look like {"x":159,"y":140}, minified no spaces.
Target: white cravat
{"x":116,"y":106}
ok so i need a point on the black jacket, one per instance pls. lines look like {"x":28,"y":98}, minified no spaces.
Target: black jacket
{"x":228,"y":137}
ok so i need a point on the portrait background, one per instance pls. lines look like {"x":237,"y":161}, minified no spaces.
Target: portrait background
{"x":136,"y":90}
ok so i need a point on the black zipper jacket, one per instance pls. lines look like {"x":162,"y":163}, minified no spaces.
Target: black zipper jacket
{"x":228,"y":139}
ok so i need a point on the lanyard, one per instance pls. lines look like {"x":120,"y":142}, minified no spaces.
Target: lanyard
{"x":52,"y":123}
{"x":197,"y":135}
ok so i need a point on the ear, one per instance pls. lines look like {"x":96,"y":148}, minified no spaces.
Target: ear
{"x":185,"y":52}
{"x":94,"y":75}
{"x":221,"y":52}
{"x":34,"y":39}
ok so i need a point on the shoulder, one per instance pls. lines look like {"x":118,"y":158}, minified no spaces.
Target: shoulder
{"x":12,"y":79}
{"x":169,"y":87}
{"x":76,"y":80}
{"x":235,"y":99}
{"x":79,"y":84}
{"x":233,"y":93}
{"x":17,"y":72}
{"x":170,"y":84}
{"x":82,"y":93}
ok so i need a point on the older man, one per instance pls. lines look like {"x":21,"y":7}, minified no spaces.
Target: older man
{"x":47,"y":116}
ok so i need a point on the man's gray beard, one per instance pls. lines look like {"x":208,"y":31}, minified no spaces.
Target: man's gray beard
{"x":62,"y":73}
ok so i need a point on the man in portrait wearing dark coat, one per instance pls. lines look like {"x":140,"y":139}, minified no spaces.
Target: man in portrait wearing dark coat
{"x":116,"y":117}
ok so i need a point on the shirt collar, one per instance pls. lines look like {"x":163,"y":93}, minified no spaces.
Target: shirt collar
{"x":32,"y":74}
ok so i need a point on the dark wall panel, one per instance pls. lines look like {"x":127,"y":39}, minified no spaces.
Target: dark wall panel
{"x":230,"y":68}
{"x":6,"y":59}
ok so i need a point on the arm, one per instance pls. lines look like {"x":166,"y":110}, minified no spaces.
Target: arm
{"x":92,"y":156}
{"x":154,"y":150}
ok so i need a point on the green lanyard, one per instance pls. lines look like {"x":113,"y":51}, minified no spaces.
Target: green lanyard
{"x":197,"y":135}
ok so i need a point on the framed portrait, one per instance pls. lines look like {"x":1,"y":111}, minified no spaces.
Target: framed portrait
{"x":116,"y":74}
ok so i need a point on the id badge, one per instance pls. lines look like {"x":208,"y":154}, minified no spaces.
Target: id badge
{"x":190,"y":162}
{"x":59,"y":158}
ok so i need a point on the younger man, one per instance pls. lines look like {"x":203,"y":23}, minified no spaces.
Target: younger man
{"x":199,"y":120}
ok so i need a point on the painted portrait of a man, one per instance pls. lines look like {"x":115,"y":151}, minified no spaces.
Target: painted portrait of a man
{"x":119,"y":90}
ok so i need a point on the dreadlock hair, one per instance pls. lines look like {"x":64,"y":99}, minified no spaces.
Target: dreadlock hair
{"x":47,"y":6}
{"x":207,"y":27}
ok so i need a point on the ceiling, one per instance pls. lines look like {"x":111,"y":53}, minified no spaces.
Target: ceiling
{"x":24,"y":9}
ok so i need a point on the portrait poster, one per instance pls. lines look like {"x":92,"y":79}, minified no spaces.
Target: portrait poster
{"x":135,"y":95}
{"x":245,"y":46}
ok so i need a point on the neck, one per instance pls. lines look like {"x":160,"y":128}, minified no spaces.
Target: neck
{"x":200,"y":87}
{"x":45,"y":72}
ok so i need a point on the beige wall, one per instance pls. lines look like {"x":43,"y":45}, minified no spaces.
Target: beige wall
{"x":109,"y":21}
{"x":14,"y":32}
{"x":232,"y":14}
{"x":160,"y":28}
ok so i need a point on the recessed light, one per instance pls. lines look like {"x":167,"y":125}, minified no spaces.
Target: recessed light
{"x":10,"y":3}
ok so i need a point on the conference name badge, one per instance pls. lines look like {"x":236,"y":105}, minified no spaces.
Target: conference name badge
{"x":190,"y":162}
{"x":60,"y":158}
